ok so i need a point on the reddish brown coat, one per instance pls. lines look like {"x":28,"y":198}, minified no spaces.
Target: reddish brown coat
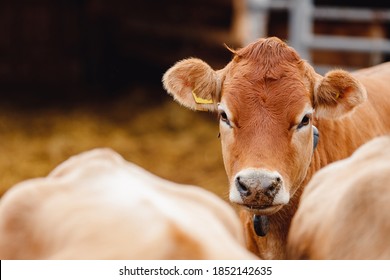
{"x":268,"y":99}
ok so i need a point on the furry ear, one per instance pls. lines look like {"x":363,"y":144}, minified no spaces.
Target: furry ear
{"x":194,"y":84}
{"x":337,"y":94}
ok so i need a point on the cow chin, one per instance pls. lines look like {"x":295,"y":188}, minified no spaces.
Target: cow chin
{"x":264,"y":211}
{"x":260,"y":209}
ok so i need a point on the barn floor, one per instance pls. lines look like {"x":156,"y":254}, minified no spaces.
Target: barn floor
{"x":159,"y":135}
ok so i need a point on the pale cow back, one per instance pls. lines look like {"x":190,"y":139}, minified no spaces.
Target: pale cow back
{"x":96,"y":205}
{"x":345,"y":211}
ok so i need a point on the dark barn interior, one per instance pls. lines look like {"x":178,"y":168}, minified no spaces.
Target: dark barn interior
{"x":79,"y":74}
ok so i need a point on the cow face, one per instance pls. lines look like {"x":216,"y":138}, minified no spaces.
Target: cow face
{"x":266,"y":99}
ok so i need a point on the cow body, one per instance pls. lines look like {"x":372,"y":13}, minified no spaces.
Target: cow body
{"x":345,"y":211}
{"x":98,"y":206}
{"x":269,"y":101}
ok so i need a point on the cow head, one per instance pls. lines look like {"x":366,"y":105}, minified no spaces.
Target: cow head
{"x":266,"y":99}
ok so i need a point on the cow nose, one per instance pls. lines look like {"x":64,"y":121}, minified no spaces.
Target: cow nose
{"x":264,"y":182}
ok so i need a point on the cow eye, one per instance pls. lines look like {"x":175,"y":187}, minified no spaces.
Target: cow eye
{"x":223,"y":116}
{"x":305,"y":121}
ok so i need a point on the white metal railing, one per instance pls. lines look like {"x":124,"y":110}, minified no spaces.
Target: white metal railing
{"x":302,"y":14}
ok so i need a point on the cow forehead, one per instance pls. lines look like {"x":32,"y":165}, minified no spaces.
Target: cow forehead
{"x":266,"y":76}
{"x":249,"y":96}
{"x":266,"y":58}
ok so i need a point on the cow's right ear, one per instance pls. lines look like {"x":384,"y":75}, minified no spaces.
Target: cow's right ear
{"x":337,"y":93}
{"x":194,"y":84}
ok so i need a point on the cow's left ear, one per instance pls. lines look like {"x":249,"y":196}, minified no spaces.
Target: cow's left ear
{"x":194,"y":84}
{"x":337,"y":94}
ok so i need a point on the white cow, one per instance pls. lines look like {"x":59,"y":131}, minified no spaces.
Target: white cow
{"x":96,"y":205}
{"x":345,"y":209}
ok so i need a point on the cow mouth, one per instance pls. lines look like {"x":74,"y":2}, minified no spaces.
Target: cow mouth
{"x":262,"y":209}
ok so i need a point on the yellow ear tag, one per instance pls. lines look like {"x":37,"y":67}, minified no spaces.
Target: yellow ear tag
{"x":337,"y":95}
{"x":200,"y":100}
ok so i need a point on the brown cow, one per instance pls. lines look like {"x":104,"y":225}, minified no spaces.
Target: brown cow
{"x":96,"y":205}
{"x":269,"y":101}
{"x":344,"y":211}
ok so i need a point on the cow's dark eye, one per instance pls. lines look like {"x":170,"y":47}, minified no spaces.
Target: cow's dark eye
{"x":305,"y":121}
{"x":224,"y":117}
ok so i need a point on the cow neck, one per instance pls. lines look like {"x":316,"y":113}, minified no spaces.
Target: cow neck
{"x":273,"y":244}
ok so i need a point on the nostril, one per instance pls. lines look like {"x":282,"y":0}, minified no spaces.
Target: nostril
{"x":274,"y":186}
{"x":241,"y":187}
{"x":275,"y":183}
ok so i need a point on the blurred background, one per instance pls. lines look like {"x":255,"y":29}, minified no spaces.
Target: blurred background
{"x":81,"y":74}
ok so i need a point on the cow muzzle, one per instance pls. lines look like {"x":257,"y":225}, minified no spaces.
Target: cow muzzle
{"x":261,"y":191}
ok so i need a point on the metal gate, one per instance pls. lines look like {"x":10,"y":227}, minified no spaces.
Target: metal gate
{"x":303,"y":13}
